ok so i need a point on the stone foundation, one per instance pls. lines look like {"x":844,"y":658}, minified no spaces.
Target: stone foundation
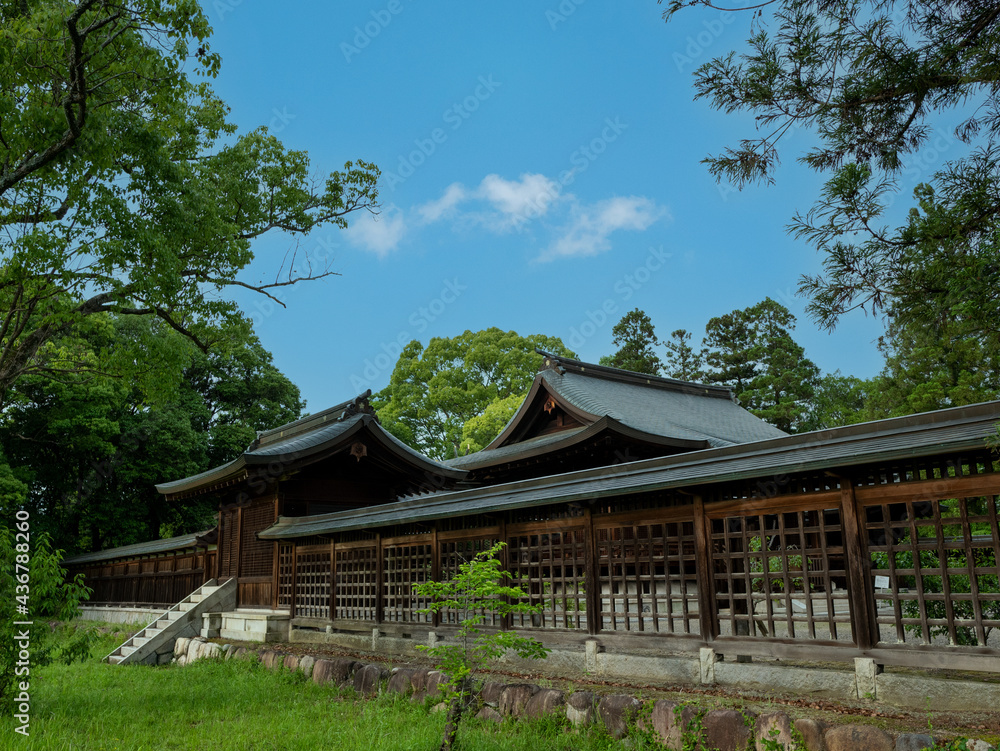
{"x":866,"y":682}
{"x":119,"y":614}
{"x":246,"y":625}
{"x":675,"y":725}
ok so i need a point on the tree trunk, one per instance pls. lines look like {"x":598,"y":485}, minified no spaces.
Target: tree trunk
{"x":459,"y":703}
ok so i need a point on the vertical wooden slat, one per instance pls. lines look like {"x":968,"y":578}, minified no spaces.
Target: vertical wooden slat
{"x":865,"y":629}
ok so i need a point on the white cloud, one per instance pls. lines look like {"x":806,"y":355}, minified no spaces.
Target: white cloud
{"x":590,"y":227}
{"x":379,"y":234}
{"x":453,"y":195}
{"x":530,"y":196}
{"x":500,"y":204}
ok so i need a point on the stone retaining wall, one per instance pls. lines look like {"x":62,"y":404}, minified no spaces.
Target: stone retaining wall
{"x":676,"y":725}
{"x":119,"y":614}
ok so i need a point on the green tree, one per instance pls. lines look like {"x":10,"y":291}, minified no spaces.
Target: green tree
{"x":752,"y":352}
{"x":86,"y":450}
{"x":682,"y":362}
{"x":842,"y":400}
{"x":476,"y":592}
{"x":868,"y":79}
{"x":480,"y":430}
{"x":123,"y":189}
{"x":32,"y":577}
{"x":636,"y":339}
{"x":435,"y":390}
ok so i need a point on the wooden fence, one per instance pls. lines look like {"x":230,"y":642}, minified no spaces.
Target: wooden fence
{"x":899,"y":563}
{"x":159,"y":580}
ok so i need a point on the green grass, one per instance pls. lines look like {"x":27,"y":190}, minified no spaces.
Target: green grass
{"x":233,"y":704}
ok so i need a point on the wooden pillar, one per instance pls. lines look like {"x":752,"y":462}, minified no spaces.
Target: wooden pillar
{"x":294,"y":581}
{"x":379,"y":583}
{"x":435,"y":569}
{"x":859,"y":593}
{"x":592,"y":575}
{"x":333,"y":577}
{"x":505,"y":622}
{"x":707,"y":616}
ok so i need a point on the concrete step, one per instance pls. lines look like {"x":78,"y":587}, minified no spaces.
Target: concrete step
{"x":196,"y":597}
{"x":126,"y":651}
{"x":115,"y":659}
{"x":138,"y":641}
{"x":151,"y":632}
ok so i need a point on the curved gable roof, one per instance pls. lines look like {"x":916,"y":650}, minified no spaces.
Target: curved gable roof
{"x":307,"y":440}
{"x":662,"y":410}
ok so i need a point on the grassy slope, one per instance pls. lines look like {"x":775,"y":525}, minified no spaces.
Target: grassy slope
{"x":240,"y":705}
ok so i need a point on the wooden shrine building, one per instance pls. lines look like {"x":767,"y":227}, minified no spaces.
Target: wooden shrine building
{"x":644,"y":515}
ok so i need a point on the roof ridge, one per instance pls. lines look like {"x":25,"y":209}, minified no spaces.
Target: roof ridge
{"x":562,"y":364}
{"x":336,"y":413}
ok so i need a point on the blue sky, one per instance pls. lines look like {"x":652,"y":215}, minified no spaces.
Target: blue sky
{"x":541,"y":173}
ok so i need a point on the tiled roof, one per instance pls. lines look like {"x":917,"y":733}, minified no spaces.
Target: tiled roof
{"x":957,"y":429}
{"x":142,"y":548}
{"x":309,"y":436}
{"x":691,"y":415}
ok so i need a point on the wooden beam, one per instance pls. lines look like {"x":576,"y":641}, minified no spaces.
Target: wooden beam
{"x":927,"y":490}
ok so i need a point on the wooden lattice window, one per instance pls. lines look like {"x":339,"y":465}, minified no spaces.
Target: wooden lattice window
{"x":286,"y":565}
{"x":453,"y":554}
{"x":256,"y":556}
{"x":647,"y":577}
{"x":935,"y":568}
{"x":356,"y":583}
{"x":402,"y":567}
{"x":312,"y":584}
{"x":782,"y":575}
{"x":551,"y":568}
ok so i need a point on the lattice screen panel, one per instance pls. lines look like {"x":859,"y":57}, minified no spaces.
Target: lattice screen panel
{"x":935,"y":569}
{"x":453,"y":554}
{"x":256,"y":556}
{"x":647,"y":578}
{"x":356,"y":583}
{"x":286,"y":571}
{"x":782,"y":575}
{"x":402,"y":567}
{"x":312,"y":585}
{"x":550,"y":567}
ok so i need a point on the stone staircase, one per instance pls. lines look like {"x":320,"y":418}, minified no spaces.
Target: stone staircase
{"x":155,"y":644}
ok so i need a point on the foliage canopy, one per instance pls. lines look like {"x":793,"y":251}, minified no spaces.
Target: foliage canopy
{"x":124,"y":189}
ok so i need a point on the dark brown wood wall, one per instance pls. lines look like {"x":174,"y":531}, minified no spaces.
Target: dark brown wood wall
{"x":148,"y":581}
